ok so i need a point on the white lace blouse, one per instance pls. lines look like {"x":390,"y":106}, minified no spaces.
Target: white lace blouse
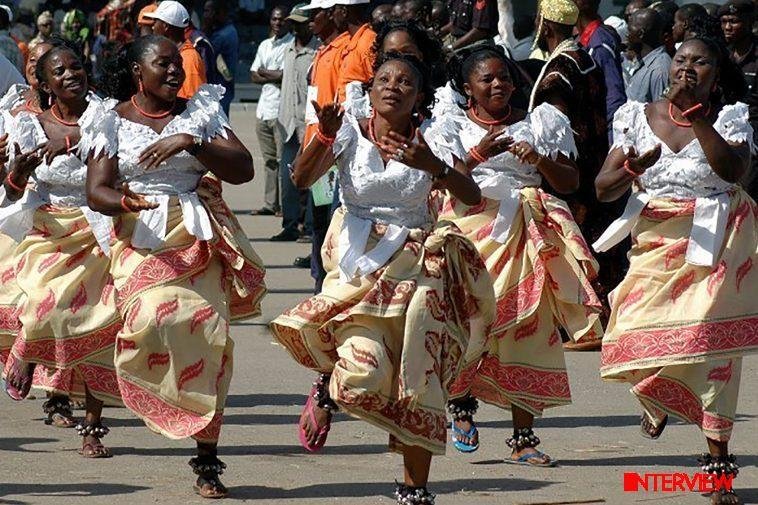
{"x":395,"y":195}
{"x":392,"y":194}
{"x":501,"y":177}
{"x":685,"y":174}
{"x":179,"y":176}
{"x":61,"y":182}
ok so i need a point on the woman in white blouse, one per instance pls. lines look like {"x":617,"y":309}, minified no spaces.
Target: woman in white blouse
{"x":401,"y":298}
{"x":685,"y":313}
{"x":68,"y":314}
{"x":181,"y":265}
{"x":536,"y":256}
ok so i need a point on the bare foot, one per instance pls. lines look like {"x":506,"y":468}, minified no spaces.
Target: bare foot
{"x":649,"y":430}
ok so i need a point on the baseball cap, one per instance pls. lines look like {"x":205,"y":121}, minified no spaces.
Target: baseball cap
{"x":142,"y":19}
{"x":326,"y":4}
{"x":298,"y":14}
{"x":172,"y":13}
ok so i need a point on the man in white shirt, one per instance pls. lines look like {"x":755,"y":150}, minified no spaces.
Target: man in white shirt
{"x":267,"y":70}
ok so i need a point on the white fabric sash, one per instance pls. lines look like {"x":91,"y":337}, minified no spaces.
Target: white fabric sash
{"x":354,"y":261}
{"x":510,"y":202}
{"x":150,"y":229}
{"x":706,"y":235}
{"x":17,"y":219}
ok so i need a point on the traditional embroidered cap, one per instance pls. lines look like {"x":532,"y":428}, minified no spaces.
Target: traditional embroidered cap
{"x":736,"y":8}
{"x":299,"y":14}
{"x":564,"y":12}
{"x":172,"y":13}
{"x":45,"y":17}
{"x":142,"y":19}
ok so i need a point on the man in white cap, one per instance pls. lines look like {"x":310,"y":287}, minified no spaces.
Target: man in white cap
{"x":171,"y":18}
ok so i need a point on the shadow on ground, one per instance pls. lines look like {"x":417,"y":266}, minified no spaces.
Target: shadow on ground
{"x":82,"y":489}
{"x":366,"y":489}
{"x":19,"y":444}
{"x":251,"y":450}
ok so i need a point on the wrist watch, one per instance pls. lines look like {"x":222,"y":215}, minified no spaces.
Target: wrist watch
{"x":197,"y":143}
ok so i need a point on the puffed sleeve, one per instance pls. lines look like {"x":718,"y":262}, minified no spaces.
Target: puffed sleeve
{"x":552,"y":131}
{"x":26,"y":132}
{"x":447,"y":101}
{"x":356,"y":100}
{"x":346,"y":135}
{"x":733,"y":124}
{"x":626,"y":122}
{"x":13,"y":96}
{"x":442,"y":135}
{"x":204,"y":110}
{"x":98,"y":127}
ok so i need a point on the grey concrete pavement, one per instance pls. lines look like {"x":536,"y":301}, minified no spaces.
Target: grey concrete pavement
{"x":596,"y":438}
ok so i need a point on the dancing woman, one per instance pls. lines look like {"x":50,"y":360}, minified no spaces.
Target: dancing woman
{"x":68,"y":316}
{"x":402,"y":297}
{"x":58,"y":383}
{"x":539,"y":262}
{"x":181,"y":265}
{"x":685,"y":313}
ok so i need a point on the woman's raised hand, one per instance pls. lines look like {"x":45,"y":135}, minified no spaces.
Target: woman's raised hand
{"x":329,"y":118}
{"x":525,"y":152}
{"x":24,"y":164}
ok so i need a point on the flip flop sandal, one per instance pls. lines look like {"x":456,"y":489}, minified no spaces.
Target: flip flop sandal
{"x":659,"y":429}
{"x":524,"y":460}
{"x":309,"y":409}
{"x":60,"y":420}
{"x":22,"y":392}
{"x":95,"y":451}
{"x":462,"y":447}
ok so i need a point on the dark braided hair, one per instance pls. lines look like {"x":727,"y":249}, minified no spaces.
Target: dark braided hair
{"x":731,"y":82}
{"x":425,"y":88}
{"x":58,"y":44}
{"x":463,"y":62}
{"x":118,"y":81}
{"x":431,"y":49}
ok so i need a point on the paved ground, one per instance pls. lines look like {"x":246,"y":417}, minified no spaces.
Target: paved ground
{"x":596,"y":438}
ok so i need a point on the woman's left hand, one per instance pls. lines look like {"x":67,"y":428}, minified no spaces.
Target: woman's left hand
{"x":53,"y":148}
{"x":525,"y":152}
{"x":681,"y":92}
{"x":164,"y":149}
{"x":416,"y":155}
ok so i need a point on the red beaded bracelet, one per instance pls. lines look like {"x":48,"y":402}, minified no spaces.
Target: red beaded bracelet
{"x":9,"y":182}
{"x":692,"y":109}
{"x":324,"y":139}
{"x":476,"y":155}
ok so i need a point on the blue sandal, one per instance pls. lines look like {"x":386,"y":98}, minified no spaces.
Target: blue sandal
{"x":466,"y":448}
{"x":524,"y":460}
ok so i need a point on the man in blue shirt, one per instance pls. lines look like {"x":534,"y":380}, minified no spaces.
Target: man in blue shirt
{"x":226,"y":44}
{"x":646,"y":39}
{"x":604,"y":46}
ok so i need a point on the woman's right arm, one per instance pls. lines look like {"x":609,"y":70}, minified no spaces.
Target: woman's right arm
{"x":620,"y":170}
{"x":102,"y":174}
{"x":318,"y":157}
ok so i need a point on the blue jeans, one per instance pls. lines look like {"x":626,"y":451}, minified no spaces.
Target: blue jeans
{"x":294,"y":201}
